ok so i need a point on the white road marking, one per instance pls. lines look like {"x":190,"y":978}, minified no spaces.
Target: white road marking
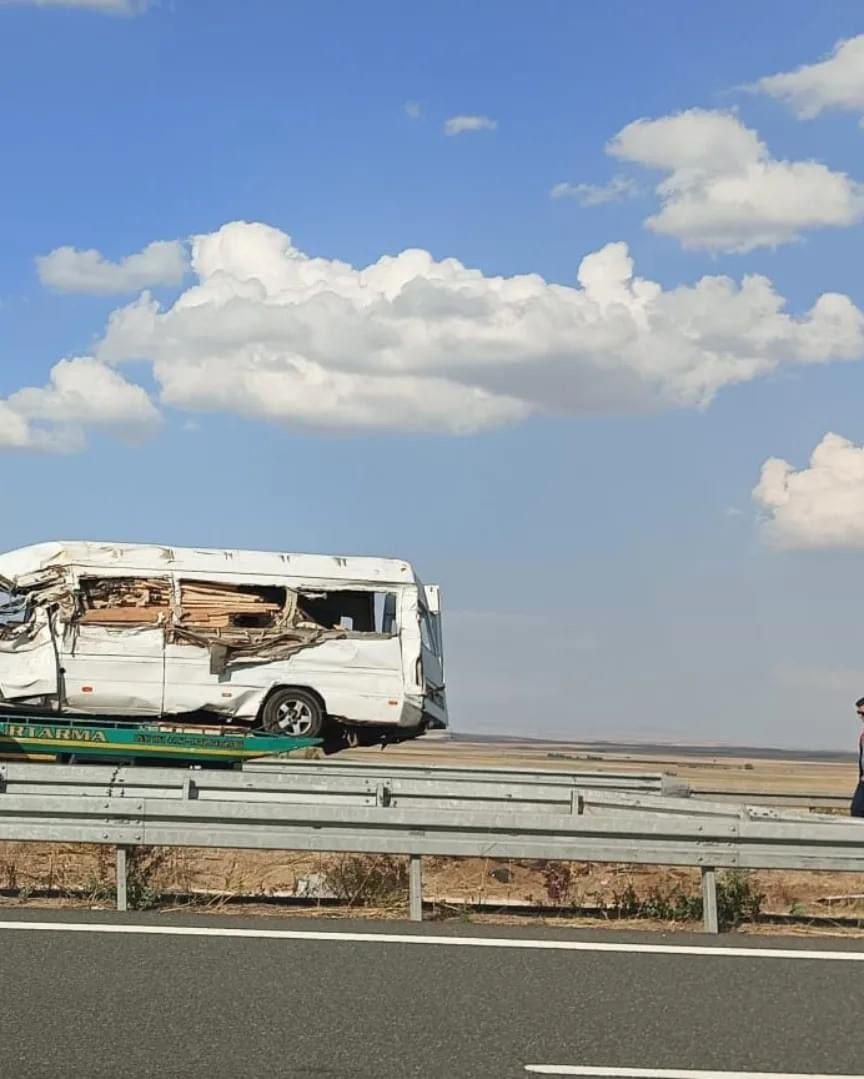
{"x":671,"y":1073}
{"x":447,"y":942}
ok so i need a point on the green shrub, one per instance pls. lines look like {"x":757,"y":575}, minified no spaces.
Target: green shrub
{"x":737,"y":898}
{"x":737,"y":901}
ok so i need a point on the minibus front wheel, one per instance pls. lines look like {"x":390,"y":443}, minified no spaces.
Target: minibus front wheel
{"x":295,"y":712}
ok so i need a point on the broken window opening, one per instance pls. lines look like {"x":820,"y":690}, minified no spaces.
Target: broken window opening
{"x":352,"y":610}
{"x":211,"y":605}
{"x":123,"y":600}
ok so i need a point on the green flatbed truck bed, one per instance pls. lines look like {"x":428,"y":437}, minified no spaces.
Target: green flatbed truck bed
{"x":91,"y":739}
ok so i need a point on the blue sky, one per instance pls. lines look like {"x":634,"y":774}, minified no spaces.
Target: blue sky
{"x":583,"y":497}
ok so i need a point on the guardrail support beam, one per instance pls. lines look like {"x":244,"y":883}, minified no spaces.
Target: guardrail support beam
{"x":709,"y":900}
{"x":415,"y":888}
{"x":121,"y":878}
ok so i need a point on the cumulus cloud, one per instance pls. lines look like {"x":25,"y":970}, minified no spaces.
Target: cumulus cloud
{"x":458,"y":125}
{"x":619,"y":187}
{"x":81,"y":393}
{"x":106,"y":7}
{"x":725,"y":192}
{"x":409,"y":343}
{"x":817,"y":507}
{"x":164,"y":262}
{"x":412,"y":110}
{"x":15,"y":432}
{"x":834,"y":83}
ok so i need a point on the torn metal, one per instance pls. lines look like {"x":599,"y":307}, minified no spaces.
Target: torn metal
{"x":232,"y":621}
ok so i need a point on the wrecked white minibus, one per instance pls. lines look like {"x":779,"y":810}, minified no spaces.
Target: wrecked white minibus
{"x":288,"y":643}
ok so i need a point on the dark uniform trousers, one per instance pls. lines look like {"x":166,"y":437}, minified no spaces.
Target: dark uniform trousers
{"x":857,"y":807}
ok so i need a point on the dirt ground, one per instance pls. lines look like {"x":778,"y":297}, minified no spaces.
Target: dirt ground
{"x":275,"y":882}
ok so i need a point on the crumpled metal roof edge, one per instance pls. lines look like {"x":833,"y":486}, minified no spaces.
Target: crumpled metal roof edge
{"x":155,"y":557}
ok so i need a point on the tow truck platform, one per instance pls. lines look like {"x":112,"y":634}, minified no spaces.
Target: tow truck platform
{"x":70,"y":740}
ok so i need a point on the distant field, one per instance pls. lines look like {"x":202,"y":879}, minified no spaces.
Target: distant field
{"x":731,"y":770}
{"x":659,"y":748}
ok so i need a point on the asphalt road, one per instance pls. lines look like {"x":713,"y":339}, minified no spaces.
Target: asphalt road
{"x":99,"y":1003}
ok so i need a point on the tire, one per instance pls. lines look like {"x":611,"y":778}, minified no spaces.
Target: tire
{"x":293,"y":712}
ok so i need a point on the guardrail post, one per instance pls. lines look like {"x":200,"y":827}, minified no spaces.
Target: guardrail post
{"x":415,"y":888}
{"x":121,"y":878}
{"x":709,"y":900}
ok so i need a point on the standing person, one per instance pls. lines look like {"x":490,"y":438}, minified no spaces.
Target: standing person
{"x":857,"y":809}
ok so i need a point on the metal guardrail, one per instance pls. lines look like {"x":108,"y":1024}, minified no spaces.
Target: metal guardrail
{"x":792,"y":799}
{"x":413,"y":816}
{"x":320,"y":785}
{"x":648,"y":782}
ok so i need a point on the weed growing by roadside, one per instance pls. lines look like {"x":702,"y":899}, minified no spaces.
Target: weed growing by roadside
{"x":738,"y":901}
{"x":100,"y":886}
{"x":9,"y":874}
{"x":143,"y":865}
{"x":738,"y":898}
{"x":557,"y":880}
{"x":368,"y":880}
{"x":674,"y":905}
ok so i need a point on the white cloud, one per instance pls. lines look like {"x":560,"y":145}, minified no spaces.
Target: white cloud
{"x":834,"y":83}
{"x":413,"y":344}
{"x":725,"y":192}
{"x":412,"y":110}
{"x":164,"y":262}
{"x":457,"y":125}
{"x":409,"y":343}
{"x":619,"y":187}
{"x":82,"y":393}
{"x":15,"y":432}
{"x":817,"y":507}
{"x":107,"y":7}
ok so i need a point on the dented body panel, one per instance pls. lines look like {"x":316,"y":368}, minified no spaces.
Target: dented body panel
{"x":143,"y":631}
{"x":28,"y":660}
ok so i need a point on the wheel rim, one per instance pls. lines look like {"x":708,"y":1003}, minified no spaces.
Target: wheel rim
{"x":294,"y":717}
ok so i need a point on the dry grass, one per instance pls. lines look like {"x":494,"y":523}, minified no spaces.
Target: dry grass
{"x":160,"y":876}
